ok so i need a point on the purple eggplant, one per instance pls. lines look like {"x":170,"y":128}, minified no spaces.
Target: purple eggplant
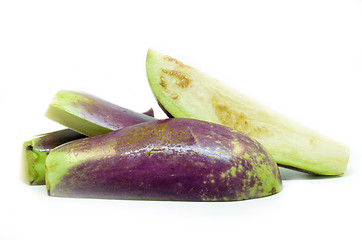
{"x":172,"y":159}
{"x":91,"y":115}
{"x":36,"y":150}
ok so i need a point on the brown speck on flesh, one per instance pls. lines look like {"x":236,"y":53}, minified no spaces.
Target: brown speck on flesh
{"x":182,"y":80}
{"x":170,"y":59}
{"x":238,"y":120}
{"x":163,"y":83}
{"x":174,"y":96}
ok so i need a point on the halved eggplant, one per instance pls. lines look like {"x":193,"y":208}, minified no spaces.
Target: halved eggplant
{"x":184,"y":92}
{"x":171,"y":159}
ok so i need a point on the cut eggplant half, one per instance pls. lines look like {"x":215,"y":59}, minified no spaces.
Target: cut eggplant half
{"x":184,"y":92}
{"x":172,"y":159}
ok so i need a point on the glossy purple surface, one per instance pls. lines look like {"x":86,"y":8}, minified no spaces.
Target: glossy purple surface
{"x":172,"y":159}
{"x":48,"y":141}
{"x":107,"y":114}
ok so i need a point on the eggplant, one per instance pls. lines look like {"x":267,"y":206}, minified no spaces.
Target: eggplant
{"x":172,"y":159}
{"x":185,"y":92}
{"x":35,"y":151}
{"x":91,"y":115}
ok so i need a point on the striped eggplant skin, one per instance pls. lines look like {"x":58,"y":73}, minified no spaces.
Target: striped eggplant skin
{"x":92,"y":115}
{"x":35,"y":151}
{"x":172,"y":159}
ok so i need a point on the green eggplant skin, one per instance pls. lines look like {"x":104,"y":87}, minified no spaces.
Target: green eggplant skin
{"x":35,"y":151}
{"x":91,"y":115}
{"x":173,"y":159}
{"x":185,"y":92}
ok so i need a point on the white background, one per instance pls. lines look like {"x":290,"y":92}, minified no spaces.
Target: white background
{"x":302,"y":58}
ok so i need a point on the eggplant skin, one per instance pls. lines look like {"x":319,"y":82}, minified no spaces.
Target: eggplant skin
{"x":172,"y":159}
{"x":35,"y":151}
{"x":91,"y":115}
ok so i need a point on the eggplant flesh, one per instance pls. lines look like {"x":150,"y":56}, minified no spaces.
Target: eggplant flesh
{"x":184,"y":92}
{"x":35,"y":151}
{"x":172,"y":159}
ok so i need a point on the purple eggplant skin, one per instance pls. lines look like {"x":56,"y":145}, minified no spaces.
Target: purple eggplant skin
{"x":91,"y":115}
{"x":150,"y":112}
{"x":51,"y":140}
{"x":35,"y":151}
{"x":172,"y":159}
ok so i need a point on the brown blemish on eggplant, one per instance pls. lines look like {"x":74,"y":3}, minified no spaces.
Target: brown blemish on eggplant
{"x":174,"y":96}
{"x":230,"y":118}
{"x":163,"y":83}
{"x":170,"y":138}
{"x":29,"y":148}
{"x":238,"y":120}
{"x":170,"y":59}
{"x":182,"y":80}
